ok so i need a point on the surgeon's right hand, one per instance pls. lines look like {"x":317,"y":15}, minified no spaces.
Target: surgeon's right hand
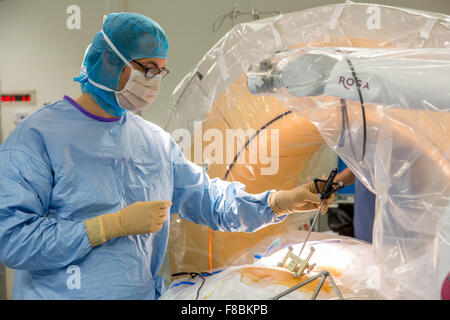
{"x":138,"y":218}
{"x":300,"y":199}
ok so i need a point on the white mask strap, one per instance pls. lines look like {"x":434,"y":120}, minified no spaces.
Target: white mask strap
{"x":98,"y":85}
{"x":83,"y":67}
{"x":115,"y":49}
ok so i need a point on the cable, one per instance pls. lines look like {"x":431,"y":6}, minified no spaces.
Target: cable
{"x":345,"y":128}
{"x":251,"y":138}
{"x":199,"y":288}
{"x":363,"y":111}
{"x":193,"y":275}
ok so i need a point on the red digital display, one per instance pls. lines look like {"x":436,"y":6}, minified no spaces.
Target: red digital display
{"x":15,"y":98}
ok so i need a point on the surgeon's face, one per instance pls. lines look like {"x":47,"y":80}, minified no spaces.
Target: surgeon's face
{"x":147,"y":62}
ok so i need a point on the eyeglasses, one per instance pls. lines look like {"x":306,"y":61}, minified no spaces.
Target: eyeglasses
{"x":153,"y":71}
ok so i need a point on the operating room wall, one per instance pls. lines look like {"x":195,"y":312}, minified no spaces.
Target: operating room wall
{"x":38,"y":52}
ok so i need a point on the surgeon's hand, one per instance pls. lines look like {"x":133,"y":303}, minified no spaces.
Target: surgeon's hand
{"x":300,"y":199}
{"x":138,"y":218}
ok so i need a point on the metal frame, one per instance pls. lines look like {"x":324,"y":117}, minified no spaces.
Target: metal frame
{"x":324,"y":274}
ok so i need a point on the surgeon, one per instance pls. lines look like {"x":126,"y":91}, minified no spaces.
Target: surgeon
{"x":87,"y":186}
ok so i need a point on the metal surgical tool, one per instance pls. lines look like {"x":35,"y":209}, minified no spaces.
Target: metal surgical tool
{"x":323,"y":194}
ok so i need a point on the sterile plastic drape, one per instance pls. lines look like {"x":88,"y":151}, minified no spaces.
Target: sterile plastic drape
{"x":369,"y":82}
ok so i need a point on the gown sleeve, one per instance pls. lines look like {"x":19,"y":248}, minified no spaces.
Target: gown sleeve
{"x":30,"y":240}
{"x":221,"y":205}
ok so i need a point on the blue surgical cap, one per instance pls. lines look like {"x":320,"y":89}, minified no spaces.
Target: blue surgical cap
{"x":135,"y":36}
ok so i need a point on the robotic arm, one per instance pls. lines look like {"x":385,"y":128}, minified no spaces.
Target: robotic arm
{"x":417,"y":78}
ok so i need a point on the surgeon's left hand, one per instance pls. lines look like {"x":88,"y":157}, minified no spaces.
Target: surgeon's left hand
{"x":300,"y":199}
{"x":138,"y":218}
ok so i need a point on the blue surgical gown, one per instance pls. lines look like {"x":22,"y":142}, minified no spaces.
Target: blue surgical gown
{"x":364,"y":212}
{"x":62,"y":165}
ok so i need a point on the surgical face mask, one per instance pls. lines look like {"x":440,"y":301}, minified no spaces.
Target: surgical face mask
{"x":139,"y":91}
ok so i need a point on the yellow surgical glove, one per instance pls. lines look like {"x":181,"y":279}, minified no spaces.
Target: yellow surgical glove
{"x":138,"y":218}
{"x":300,"y":199}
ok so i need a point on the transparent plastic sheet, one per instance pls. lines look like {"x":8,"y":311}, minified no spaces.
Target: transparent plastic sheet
{"x":405,"y":153}
{"x":257,"y":275}
{"x":393,"y":132}
{"x":189,"y":244}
